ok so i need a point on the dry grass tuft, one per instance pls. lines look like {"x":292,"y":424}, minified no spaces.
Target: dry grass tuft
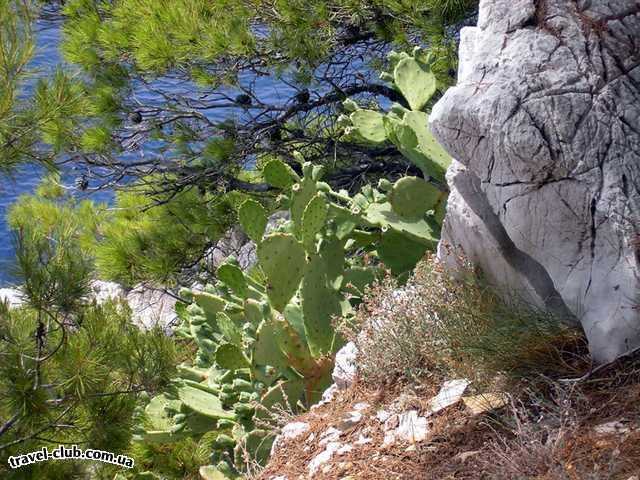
{"x":443,"y":325}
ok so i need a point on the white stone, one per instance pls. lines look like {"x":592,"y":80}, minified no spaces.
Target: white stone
{"x":102,"y":291}
{"x":327,"y":396}
{"x":411,"y":428}
{"x":344,"y":371}
{"x":392,"y":422}
{"x":450,"y":394}
{"x":293,"y":430}
{"x":362,"y":440}
{"x":344,"y":449}
{"x":350,"y":420}
{"x":12,"y":296}
{"x":383,"y":416}
{"x":331,"y":434}
{"x":323,"y":457}
{"x":362,"y":406}
{"x":151,"y":307}
{"x":544,"y":192}
{"x":290,"y":431}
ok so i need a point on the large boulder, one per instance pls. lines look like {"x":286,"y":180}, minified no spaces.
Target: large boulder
{"x":544,"y":125}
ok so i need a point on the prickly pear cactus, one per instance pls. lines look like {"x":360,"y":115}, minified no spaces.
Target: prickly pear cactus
{"x":282,"y":258}
{"x":253,"y":219}
{"x":406,"y":128}
{"x":266,"y":338}
{"x":405,"y":193}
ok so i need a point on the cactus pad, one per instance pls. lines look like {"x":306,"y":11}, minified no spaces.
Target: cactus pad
{"x":231,"y":332}
{"x":313,"y":219}
{"x":233,"y":277}
{"x":210,"y":303}
{"x":231,"y":357}
{"x":319,"y":304}
{"x":412,"y":197}
{"x":416,"y":82}
{"x":368,"y":126}
{"x":253,"y":219}
{"x":282,"y":259}
{"x":266,"y":350}
{"x":203,"y":403}
{"x":278,"y":174}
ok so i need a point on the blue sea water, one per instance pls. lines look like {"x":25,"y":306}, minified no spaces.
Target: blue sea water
{"x":26,"y":178}
{"x":47,"y":58}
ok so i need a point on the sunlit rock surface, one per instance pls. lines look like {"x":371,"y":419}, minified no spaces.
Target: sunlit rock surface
{"x":545,"y":127}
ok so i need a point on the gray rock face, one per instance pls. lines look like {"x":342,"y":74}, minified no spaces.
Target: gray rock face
{"x":544,"y":124}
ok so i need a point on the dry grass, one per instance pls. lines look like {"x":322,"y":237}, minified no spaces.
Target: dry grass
{"x":441,"y":325}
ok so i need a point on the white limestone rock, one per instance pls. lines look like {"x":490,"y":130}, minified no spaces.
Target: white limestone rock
{"x":345,"y":369}
{"x":103,"y":291}
{"x":319,"y":460}
{"x":545,"y":192}
{"x":410,"y":428}
{"x":151,"y":307}
{"x":12,"y":297}
{"x":290,"y":431}
{"x":450,"y":393}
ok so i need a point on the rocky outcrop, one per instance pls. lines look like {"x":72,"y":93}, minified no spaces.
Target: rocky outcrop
{"x":150,"y":307}
{"x":236,"y":243}
{"x":546,"y":187}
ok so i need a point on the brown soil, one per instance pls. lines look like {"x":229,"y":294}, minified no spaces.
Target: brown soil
{"x":544,"y":435}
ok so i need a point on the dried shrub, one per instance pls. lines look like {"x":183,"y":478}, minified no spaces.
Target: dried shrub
{"x":442,"y":323}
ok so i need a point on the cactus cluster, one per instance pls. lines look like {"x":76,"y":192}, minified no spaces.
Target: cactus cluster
{"x":267,"y":338}
{"x":406,"y":128}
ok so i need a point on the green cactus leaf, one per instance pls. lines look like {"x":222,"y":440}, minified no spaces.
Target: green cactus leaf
{"x":382,"y":214}
{"x":192,"y":373}
{"x":233,"y":277}
{"x":319,"y":304}
{"x":368,"y":126}
{"x":293,"y":314}
{"x":278,"y":174}
{"x":198,"y":424}
{"x":412,"y":197}
{"x":301,"y":195}
{"x":253,"y":311}
{"x":314,"y":218}
{"x":156,"y":413}
{"x":284,"y":393}
{"x":258,"y":443}
{"x":399,"y":252}
{"x":266,"y":350}
{"x":282,"y":259}
{"x":231,"y":357}
{"x":209,"y":472}
{"x":413,"y":139}
{"x":349,"y":105}
{"x":292,"y":345}
{"x":210,"y":303}
{"x":253,"y":219}
{"x":203,"y":403}
{"x":333,"y":254}
{"x":356,"y":279}
{"x":416,"y":82}
{"x":427,"y":143}
{"x":231,"y":332}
